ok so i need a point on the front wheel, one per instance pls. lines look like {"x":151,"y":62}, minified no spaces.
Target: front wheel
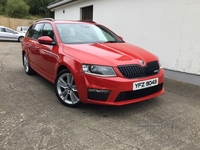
{"x":65,"y":88}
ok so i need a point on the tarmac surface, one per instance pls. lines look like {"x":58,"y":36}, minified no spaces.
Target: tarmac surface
{"x":31,"y":117}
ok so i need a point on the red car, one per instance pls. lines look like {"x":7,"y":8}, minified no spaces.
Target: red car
{"x":88,"y":63}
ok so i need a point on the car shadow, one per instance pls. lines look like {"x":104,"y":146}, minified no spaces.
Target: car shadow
{"x":9,"y":41}
{"x":105,"y":110}
{"x":109,"y":111}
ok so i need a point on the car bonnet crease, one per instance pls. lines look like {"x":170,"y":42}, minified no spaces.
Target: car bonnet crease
{"x":109,"y":53}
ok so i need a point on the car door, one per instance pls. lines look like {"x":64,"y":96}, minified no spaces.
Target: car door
{"x":2,"y":34}
{"x":11,"y":34}
{"x":33,"y":47}
{"x":49,"y":53}
{"x":6,"y":34}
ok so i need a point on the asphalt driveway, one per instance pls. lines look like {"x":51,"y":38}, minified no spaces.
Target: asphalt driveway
{"x":31,"y":117}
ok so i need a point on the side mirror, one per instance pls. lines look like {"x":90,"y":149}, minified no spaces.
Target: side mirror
{"x":46,"y":40}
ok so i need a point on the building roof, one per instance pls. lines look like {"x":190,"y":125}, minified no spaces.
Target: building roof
{"x":59,"y":3}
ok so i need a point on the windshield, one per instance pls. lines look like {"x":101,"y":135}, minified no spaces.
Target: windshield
{"x":74,"y":33}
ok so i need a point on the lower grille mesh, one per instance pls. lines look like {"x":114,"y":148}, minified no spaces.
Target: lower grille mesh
{"x":128,"y":95}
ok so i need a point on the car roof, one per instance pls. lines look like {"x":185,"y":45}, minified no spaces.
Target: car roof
{"x":22,"y":26}
{"x":6,"y":27}
{"x":65,"y":21}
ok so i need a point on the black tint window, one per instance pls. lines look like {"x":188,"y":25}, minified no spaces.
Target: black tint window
{"x":36,"y":31}
{"x":87,"y":13}
{"x":48,"y":31}
{"x":29,"y":33}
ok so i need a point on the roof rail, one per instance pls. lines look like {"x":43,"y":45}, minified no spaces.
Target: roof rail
{"x":50,"y":19}
{"x":88,"y":21}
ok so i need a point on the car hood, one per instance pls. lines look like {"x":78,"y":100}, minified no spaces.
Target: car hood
{"x":109,"y":53}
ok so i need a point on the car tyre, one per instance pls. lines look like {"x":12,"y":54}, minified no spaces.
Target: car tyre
{"x":20,"y":39}
{"x":26,"y":65}
{"x":66,"y":90}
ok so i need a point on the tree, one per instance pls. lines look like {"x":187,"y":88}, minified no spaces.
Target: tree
{"x":17,"y":9}
{"x":39,"y":7}
{"x":2,"y":6}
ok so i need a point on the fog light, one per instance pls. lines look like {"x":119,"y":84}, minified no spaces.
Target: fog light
{"x":98,"y":94}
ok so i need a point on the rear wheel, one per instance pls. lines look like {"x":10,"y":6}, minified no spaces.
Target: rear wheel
{"x":26,"y":65}
{"x":65,"y":88}
{"x":20,"y":39}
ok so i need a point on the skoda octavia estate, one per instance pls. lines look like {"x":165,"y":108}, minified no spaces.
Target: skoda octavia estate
{"x":89,"y":63}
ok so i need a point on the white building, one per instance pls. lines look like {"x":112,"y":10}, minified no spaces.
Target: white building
{"x":168,"y":28}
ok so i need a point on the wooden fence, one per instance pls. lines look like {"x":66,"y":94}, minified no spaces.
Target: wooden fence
{"x":14,"y":22}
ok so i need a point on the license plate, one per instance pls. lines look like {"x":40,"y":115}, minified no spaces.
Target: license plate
{"x":145,"y":84}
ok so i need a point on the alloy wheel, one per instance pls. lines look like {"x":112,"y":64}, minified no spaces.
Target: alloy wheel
{"x":66,"y":89}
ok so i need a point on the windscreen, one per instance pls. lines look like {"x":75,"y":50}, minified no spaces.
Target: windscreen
{"x":78,"y":33}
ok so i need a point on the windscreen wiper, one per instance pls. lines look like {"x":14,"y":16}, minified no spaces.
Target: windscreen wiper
{"x":113,"y":42}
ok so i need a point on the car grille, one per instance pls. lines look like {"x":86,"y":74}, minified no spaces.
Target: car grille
{"x":128,"y":95}
{"x":136,"y":71}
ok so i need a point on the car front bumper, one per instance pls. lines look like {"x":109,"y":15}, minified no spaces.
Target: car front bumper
{"x":117,"y":90}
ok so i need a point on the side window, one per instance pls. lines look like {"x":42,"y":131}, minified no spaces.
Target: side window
{"x":1,"y":29}
{"x":9,"y":30}
{"x":35,"y":32}
{"x":29,"y":32}
{"x":48,"y":31}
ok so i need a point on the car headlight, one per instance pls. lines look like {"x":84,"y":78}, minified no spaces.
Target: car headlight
{"x":104,"y":71}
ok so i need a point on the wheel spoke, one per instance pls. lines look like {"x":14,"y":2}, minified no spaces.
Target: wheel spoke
{"x":62,"y":83}
{"x":74,"y":98}
{"x":63,"y":94}
{"x":74,"y":88}
{"x":70,"y":79}
{"x":26,"y":66}
{"x":24,"y":60}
